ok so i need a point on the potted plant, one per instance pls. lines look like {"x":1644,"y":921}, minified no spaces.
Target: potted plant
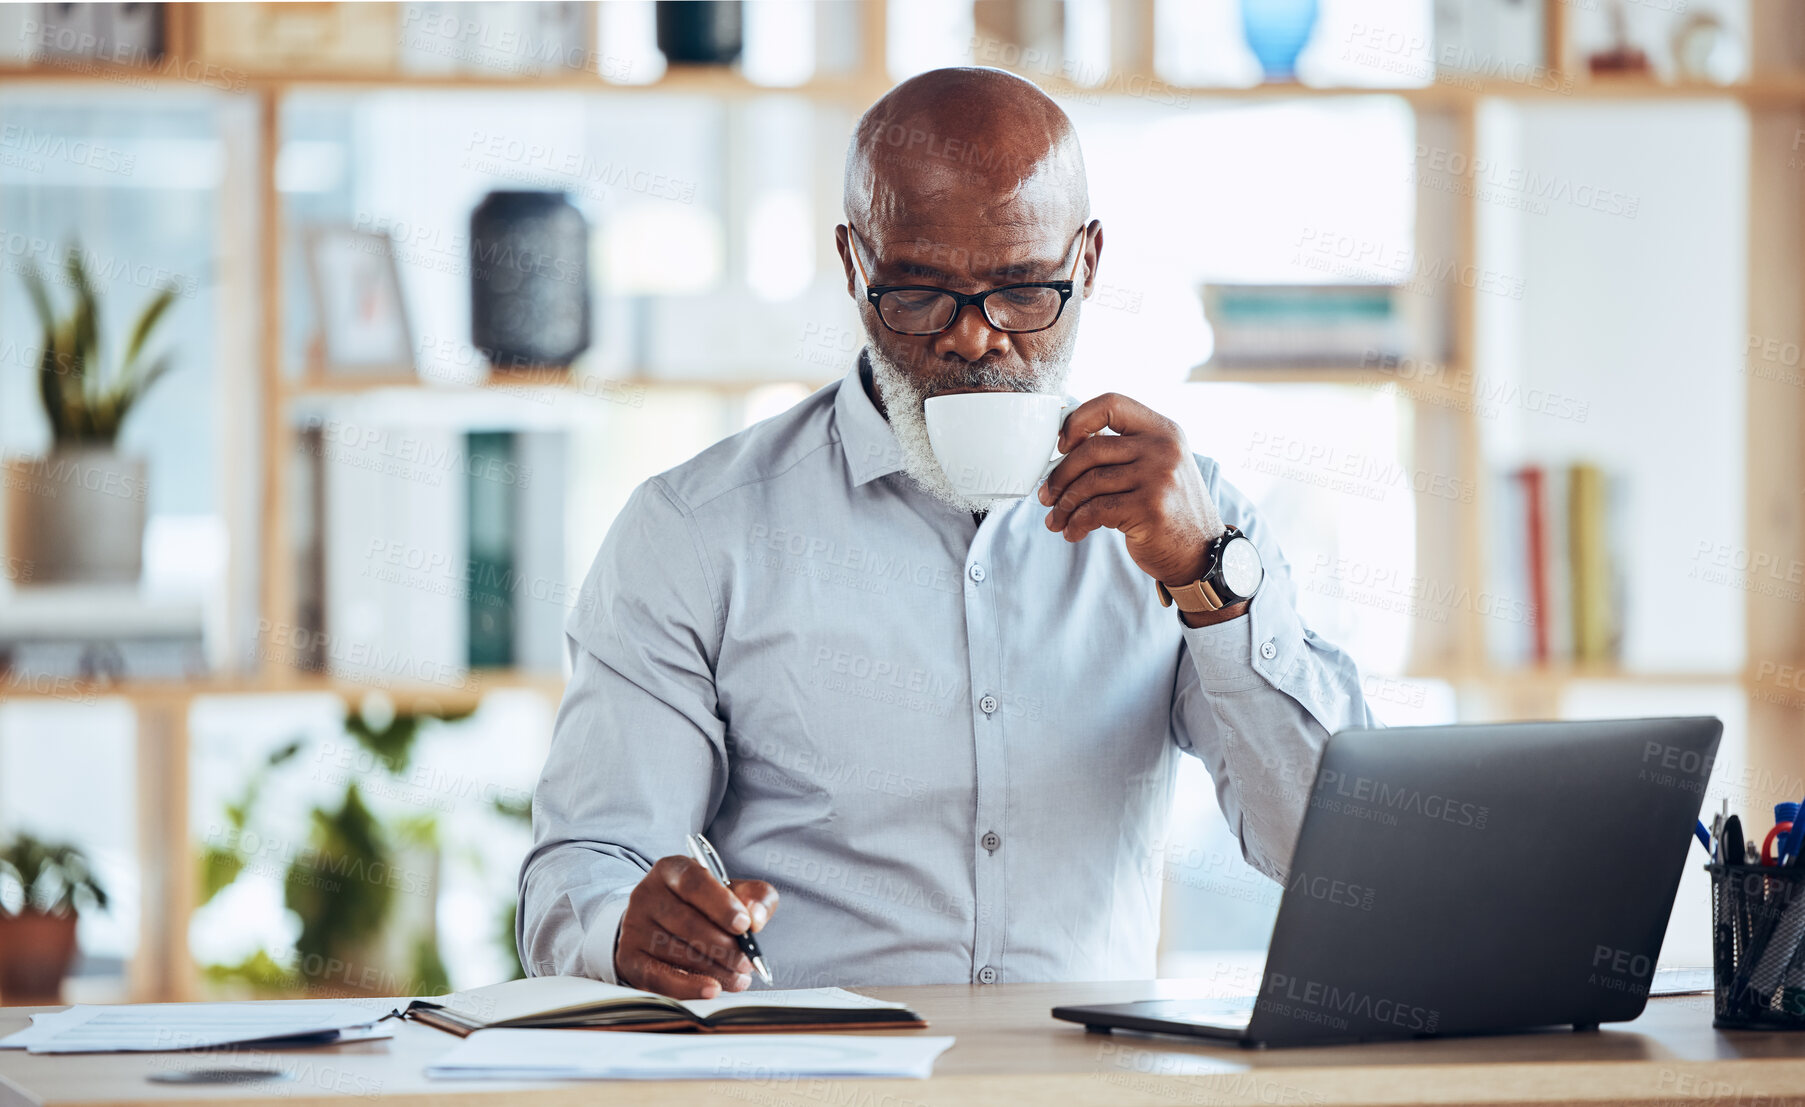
{"x":365,"y":888}
{"x":78,"y":514}
{"x":43,"y":887}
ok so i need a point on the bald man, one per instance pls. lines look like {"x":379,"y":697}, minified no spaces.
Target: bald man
{"x":944,"y":738}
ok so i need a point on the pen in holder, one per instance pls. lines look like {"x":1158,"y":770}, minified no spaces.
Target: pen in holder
{"x":1758,"y":931}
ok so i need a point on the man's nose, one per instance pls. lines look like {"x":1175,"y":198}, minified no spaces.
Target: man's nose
{"x":971,"y":336}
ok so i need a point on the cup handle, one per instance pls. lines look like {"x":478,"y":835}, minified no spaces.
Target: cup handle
{"x":1053,"y":462}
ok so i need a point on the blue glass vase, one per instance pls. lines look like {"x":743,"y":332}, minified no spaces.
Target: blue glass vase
{"x":1276,"y":32}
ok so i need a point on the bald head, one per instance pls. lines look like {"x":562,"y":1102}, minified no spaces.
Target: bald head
{"x":964,"y":146}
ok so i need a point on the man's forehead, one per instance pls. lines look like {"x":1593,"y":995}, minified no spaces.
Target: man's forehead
{"x":1030,"y":193}
{"x":1048,"y":239}
{"x":1022,"y":226}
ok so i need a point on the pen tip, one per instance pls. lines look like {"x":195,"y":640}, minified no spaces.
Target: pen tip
{"x":764,"y":970}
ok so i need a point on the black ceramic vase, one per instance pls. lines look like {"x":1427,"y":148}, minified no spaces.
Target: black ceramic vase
{"x":529,"y":280}
{"x":699,"y":32}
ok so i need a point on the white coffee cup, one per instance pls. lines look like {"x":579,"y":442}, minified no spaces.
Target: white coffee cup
{"x":996,"y":446}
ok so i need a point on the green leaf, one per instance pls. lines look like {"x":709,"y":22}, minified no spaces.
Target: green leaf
{"x":85,"y":322}
{"x":261,"y":971}
{"x":219,"y":868}
{"x":123,"y":402}
{"x":287,"y":752}
{"x":83,"y":401}
{"x":50,"y":388}
{"x":40,"y":296}
{"x":54,"y":877}
{"x":430,"y":977}
{"x":147,"y":320}
{"x":331,"y":886}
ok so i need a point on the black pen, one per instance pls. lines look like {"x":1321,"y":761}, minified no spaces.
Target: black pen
{"x":703,"y":852}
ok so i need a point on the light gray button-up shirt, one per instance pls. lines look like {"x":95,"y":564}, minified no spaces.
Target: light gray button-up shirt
{"x":950,"y":746}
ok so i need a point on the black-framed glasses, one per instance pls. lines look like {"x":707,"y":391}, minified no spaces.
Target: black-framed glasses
{"x":925,"y":309}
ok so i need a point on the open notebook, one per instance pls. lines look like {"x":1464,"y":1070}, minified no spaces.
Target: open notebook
{"x":575,"y":1002}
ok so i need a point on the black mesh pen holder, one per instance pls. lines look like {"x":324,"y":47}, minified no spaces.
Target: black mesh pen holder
{"x":1758,"y":935}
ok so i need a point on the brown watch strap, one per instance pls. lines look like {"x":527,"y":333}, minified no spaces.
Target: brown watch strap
{"x":1195,"y":598}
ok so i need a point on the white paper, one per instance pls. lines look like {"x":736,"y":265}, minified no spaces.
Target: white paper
{"x":157,"y":1027}
{"x":833,"y":999}
{"x":610,"y":1055}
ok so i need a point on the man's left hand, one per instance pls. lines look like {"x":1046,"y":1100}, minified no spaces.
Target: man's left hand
{"x":1142,"y":481}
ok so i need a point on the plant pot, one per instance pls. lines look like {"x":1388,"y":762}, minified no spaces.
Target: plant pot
{"x":77,"y":516}
{"x":699,"y":32}
{"x":35,"y":953}
{"x":529,"y":280}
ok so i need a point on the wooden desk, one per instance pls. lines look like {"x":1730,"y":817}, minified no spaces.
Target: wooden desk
{"x":1010,"y":1051}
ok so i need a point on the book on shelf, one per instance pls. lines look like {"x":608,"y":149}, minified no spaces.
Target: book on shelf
{"x":421,"y":553}
{"x":493,"y":477}
{"x":392,"y":539}
{"x":498,"y":38}
{"x":1595,"y":507}
{"x":1305,"y":325}
{"x":518,"y":591}
{"x":573,"y":1002}
{"x":307,"y":549}
{"x":116,"y":34}
{"x":1555,"y":546}
{"x":544,"y":591}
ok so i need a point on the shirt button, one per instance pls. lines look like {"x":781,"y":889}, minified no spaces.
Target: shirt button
{"x":988,"y":705}
{"x":991,"y":840}
{"x":1268,"y":650}
{"x":976,"y":572}
{"x":987,"y":975}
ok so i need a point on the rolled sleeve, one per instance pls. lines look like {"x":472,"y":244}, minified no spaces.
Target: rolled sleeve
{"x":1260,"y":698}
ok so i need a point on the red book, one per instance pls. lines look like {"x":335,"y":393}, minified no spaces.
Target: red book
{"x":1535,"y":528}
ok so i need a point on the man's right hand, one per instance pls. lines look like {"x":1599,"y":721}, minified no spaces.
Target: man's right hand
{"x":677,"y":936}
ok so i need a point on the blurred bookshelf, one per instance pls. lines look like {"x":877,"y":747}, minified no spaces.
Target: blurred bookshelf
{"x":1450,"y":536}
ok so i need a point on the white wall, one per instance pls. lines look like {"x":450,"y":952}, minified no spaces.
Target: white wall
{"x":1634,"y":307}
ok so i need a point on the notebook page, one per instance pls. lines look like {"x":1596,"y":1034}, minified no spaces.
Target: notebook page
{"x":536,"y":995}
{"x":833,"y":999}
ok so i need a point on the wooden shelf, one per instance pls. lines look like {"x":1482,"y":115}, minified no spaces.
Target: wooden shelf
{"x":560,"y":384}
{"x":1449,"y":90}
{"x":406,"y":694}
{"x":1556,"y":675}
{"x":690,"y":80}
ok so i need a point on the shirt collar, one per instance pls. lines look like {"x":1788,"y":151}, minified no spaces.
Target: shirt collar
{"x":865,"y":436}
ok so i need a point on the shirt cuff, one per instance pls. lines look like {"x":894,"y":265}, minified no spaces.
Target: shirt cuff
{"x":1258,"y":648}
{"x":600,"y":935}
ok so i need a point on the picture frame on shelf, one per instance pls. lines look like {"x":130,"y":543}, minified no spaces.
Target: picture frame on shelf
{"x":361,"y":319}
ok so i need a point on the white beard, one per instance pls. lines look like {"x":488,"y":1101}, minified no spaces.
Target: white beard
{"x":904,"y":395}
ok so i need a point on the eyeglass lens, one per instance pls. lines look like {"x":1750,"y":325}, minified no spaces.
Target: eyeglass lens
{"x":917,"y":311}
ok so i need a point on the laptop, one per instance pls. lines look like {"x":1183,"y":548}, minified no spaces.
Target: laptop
{"x":1468,"y":880}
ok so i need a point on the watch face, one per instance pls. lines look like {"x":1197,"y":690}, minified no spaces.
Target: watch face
{"x":1241,"y":571}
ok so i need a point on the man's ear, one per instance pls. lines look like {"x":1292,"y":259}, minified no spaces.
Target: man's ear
{"x":1093,"y":250}
{"x":843,"y":243}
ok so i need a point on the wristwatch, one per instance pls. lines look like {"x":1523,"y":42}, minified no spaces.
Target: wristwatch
{"x":1234,"y":575}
